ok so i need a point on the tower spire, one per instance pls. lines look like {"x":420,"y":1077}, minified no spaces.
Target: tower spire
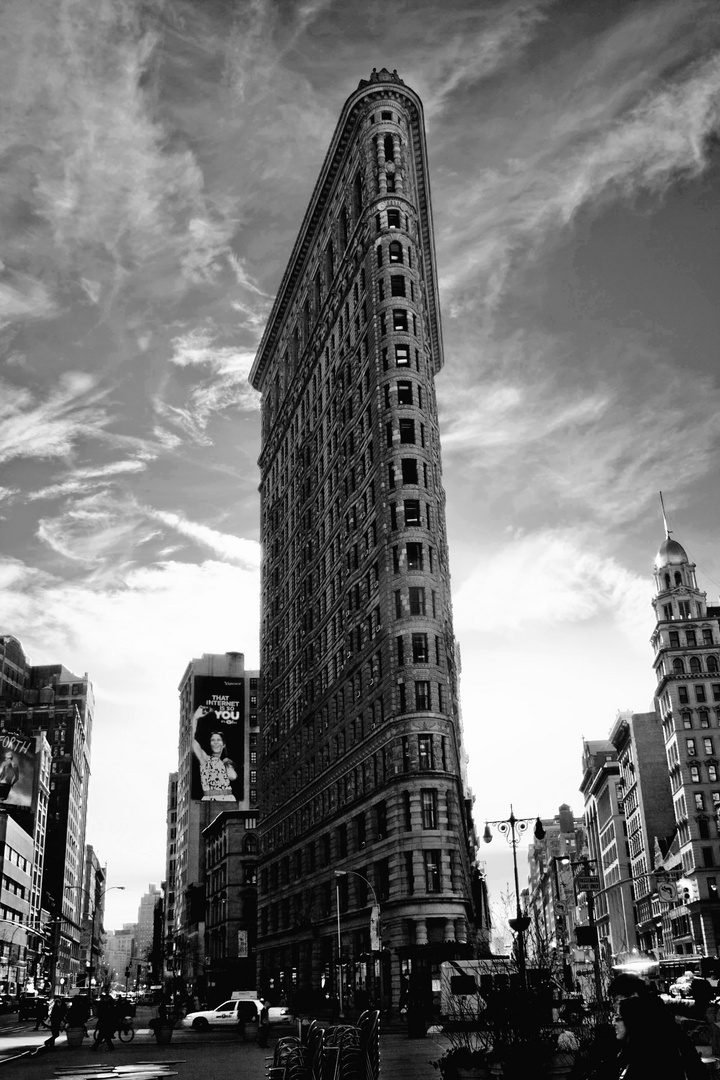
{"x":662,"y":507}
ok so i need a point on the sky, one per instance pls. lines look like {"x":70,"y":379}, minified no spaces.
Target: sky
{"x":156,"y":162}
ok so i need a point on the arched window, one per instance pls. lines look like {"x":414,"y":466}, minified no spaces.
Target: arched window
{"x":250,"y":845}
{"x":695,"y":664}
{"x":389,"y":148}
{"x":667,"y":581}
{"x":678,"y":666}
{"x":678,"y":577}
{"x":712,"y":664}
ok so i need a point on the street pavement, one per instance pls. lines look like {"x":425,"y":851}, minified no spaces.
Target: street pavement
{"x":194,"y":1055}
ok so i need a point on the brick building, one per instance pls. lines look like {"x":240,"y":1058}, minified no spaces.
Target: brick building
{"x":363,"y":797}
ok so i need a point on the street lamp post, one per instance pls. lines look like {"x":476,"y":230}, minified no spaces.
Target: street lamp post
{"x":374,"y":923}
{"x":98,"y":899}
{"x":512,"y":829}
{"x":339,"y":946}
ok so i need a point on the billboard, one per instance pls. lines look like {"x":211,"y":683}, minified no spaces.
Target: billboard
{"x":218,"y":739}
{"x":17,"y":769}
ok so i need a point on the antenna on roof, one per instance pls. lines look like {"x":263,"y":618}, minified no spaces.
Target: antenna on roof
{"x":662,"y":505}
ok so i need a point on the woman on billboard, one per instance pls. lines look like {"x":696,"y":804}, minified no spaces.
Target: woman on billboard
{"x":216,"y":768}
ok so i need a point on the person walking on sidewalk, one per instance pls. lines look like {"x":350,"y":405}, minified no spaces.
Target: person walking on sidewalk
{"x":107,"y":1022}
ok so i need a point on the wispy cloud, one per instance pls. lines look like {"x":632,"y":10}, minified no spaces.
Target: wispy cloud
{"x":82,"y":479}
{"x":619,"y":135}
{"x":529,"y":421}
{"x":563,"y":579}
{"x":461,"y":48}
{"x":225,"y":384}
{"x":50,"y":428}
{"x":229,"y":548}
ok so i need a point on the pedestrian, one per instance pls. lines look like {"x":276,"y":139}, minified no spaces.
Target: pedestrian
{"x":645,"y":1050}
{"x":56,"y":1016}
{"x":627,"y":987}
{"x":41,"y":1011}
{"x":106,"y":1022}
{"x":263,"y":1024}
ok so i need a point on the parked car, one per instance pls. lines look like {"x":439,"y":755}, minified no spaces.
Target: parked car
{"x":27,"y":1008}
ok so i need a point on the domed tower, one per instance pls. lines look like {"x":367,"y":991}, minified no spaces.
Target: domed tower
{"x":686,"y":642}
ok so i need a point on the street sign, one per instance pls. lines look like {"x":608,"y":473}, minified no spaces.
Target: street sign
{"x":667,"y":891}
{"x":560,"y":907}
{"x":587,"y":883}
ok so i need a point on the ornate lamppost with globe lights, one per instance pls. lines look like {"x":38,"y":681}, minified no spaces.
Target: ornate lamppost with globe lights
{"x":512,"y":828}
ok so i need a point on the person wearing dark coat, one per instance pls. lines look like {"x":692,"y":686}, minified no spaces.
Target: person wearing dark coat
{"x":106,"y":1022}
{"x":646,"y":1050}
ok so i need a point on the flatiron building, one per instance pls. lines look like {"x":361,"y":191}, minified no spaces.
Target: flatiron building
{"x":362,"y":792}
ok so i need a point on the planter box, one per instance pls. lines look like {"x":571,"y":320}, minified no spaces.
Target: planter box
{"x":75,"y":1036}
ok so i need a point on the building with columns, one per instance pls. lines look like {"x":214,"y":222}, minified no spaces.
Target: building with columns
{"x":364,"y":798}
{"x":686,"y":644}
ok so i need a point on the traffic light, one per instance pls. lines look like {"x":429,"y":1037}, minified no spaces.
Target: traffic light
{"x":127,"y":972}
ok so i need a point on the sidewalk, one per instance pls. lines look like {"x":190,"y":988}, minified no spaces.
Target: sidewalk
{"x":194,"y":1056}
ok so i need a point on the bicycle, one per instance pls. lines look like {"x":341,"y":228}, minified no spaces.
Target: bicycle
{"x":126,"y":1031}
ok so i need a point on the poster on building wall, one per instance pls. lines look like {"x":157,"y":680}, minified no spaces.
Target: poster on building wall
{"x":242,"y":943}
{"x":218,"y":739}
{"x":17,"y":769}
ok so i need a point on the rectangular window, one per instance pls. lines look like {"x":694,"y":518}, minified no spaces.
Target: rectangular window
{"x":684,"y":609}
{"x":400,"y":651}
{"x":411,"y":509}
{"x":420,"y":650}
{"x":402,"y":356}
{"x":686,"y":720}
{"x":691,"y":638}
{"x":425,"y":752}
{"x":403,"y":697}
{"x":707,"y":637}
{"x":381,"y":820}
{"x":397,"y":285}
{"x":393,"y":219}
{"x":342,"y":841}
{"x":712,"y":773}
{"x":409,"y":873}
{"x":406,"y":753}
{"x":414,"y":554}
{"x":407,"y":811}
{"x":707,"y":856}
{"x":399,"y":320}
{"x":716,"y":691}
{"x":695,"y":774}
{"x":690,"y":745}
{"x":432,"y":871}
{"x":416,"y":598}
{"x":428,"y":802}
{"x":708,"y":746}
{"x":405,"y":393}
{"x":407,"y":431}
{"x":382,"y":879}
{"x":360,"y":831}
{"x":409,"y":470}
{"x":683,"y":695}
{"x":398,"y":604}
{"x":674,"y":639}
{"x":422,"y":694}
{"x":700,"y":693}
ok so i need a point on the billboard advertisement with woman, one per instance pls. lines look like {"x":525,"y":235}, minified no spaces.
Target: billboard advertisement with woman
{"x":17,"y":769}
{"x":218,"y":739}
